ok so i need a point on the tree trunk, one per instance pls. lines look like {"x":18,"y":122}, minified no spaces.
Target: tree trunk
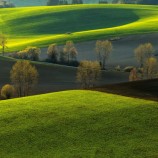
{"x":3,"y":50}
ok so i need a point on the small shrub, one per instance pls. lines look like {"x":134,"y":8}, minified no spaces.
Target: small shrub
{"x":30,"y":53}
{"x":7,"y":91}
{"x":22,"y":55}
{"x":33,"y":53}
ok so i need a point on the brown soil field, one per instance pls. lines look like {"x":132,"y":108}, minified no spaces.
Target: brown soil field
{"x":147,"y":89}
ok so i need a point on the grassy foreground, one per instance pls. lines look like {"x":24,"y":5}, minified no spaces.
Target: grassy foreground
{"x":40,"y":26}
{"x":77,"y":124}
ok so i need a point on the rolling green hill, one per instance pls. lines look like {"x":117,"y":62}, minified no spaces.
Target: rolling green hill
{"x":78,"y":124}
{"x":44,"y":25}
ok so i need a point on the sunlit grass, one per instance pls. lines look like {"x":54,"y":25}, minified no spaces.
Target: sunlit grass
{"x":78,"y":124}
{"x":40,"y":26}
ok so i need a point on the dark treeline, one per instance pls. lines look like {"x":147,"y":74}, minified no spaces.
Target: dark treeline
{"x":153,"y":2}
{"x":6,"y":4}
{"x":65,"y":2}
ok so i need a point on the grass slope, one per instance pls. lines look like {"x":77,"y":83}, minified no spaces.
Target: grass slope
{"x":78,"y":124}
{"x":54,"y":77}
{"x":44,"y":25}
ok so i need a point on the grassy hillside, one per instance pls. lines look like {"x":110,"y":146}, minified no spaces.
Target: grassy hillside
{"x":44,"y":25}
{"x":61,"y":78}
{"x":78,"y":124}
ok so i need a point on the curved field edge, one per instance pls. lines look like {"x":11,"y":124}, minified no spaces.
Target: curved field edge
{"x":78,"y":124}
{"x":24,"y":26}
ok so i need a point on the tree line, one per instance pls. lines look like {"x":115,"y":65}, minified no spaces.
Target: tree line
{"x":24,"y":77}
{"x":66,"y":56}
{"x":148,"y":65}
{"x":66,"y":2}
{"x":88,"y":72}
{"x":63,"y":2}
{"x":5,"y":4}
{"x":152,"y":2}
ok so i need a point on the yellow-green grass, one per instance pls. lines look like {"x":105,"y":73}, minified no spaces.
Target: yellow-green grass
{"x":74,"y":124}
{"x":40,"y":26}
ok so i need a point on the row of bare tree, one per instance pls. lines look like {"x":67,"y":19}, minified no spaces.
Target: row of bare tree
{"x":148,"y":65}
{"x":67,"y":55}
{"x":89,"y":72}
{"x":103,"y":50}
{"x":23,"y":77}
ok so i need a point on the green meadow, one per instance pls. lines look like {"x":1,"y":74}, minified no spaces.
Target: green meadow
{"x":75,"y":124}
{"x":40,"y":26}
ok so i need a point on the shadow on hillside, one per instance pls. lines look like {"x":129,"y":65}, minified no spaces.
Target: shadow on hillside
{"x":72,"y":21}
{"x":147,"y":89}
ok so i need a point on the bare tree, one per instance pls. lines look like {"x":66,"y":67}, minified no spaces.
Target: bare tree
{"x":53,"y":52}
{"x":103,"y":50}
{"x":143,"y":52}
{"x":70,"y":50}
{"x":22,"y":55}
{"x":63,"y":57}
{"x":24,"y":76}
{"x":3,"y":42}
{"x":149,"y":50}
{"x":88,"y":73}
{"x":140,"y":55}
{"x":98,"y":48}
{"x":29,"y":53}
{"x":150,"y":68}
{"x":33,"y":53}
{"x":73,"y":54}
{"x":133,"y":75}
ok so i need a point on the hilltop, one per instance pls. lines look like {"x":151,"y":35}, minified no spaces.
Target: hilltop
{"x":78,"y":124}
